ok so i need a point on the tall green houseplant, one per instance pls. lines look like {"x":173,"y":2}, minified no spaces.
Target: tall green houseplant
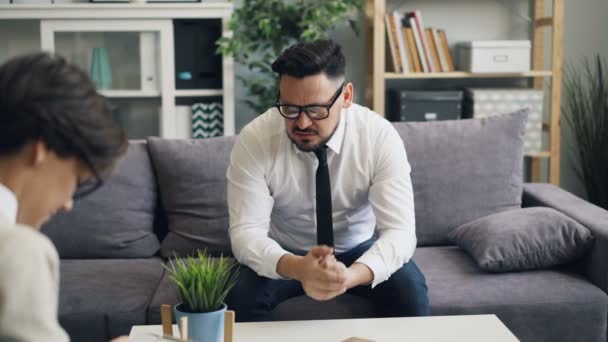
{"x":264,"y":28}
{"x":586,"y":112}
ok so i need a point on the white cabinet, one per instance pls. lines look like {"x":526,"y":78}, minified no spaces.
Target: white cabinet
{"x":129,"y":51}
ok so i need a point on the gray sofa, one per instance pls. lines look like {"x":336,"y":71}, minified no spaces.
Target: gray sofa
{"x":168,"y":197}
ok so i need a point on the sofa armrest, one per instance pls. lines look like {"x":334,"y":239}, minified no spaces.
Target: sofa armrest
{"x":589,"y":215}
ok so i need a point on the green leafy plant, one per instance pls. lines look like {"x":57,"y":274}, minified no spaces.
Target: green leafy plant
{"x":262,"y":29}
{"x":203,"y":282}
{"x":586,"y":112}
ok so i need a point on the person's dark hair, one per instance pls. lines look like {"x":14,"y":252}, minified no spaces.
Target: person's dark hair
{"x":312,"y":58}
{"x":43,"y":97}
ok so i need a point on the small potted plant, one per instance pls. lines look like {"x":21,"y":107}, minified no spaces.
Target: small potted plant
{"x":203,"y":282}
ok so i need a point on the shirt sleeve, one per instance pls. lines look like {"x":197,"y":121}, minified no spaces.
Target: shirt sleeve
{"x":392,"y":200}
{"x":250,"y":205}
{"x":29,"y":289}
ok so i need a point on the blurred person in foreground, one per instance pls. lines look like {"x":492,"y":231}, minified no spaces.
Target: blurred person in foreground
{"x":58,"y":143}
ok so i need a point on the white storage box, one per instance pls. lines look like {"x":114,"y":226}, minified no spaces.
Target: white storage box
{"x":481,"y":103}
{"x":494,"y":56}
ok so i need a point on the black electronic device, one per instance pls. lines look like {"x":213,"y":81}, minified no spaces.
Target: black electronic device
{"x":422,"y":105}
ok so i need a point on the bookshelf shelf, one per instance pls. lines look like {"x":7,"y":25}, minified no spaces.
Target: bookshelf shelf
{"x":541,"y":74}
{"x":540,"y":155}
{"x":460,"y":74}
{"x":130,"y":93}
{"x":199,"y":92}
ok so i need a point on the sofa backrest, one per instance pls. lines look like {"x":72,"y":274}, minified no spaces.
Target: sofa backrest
{"x":192,"y":187}
{"x":463,"y":170}
{"x":117,"y":221}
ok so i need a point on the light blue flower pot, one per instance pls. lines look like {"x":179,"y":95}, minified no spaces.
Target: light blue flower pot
{"x":204,"y":327}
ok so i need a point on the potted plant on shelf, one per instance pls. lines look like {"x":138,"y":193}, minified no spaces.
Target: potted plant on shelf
{"x":586,"y":112}
{"x":203,"y":282}
{"x":262,"y":29}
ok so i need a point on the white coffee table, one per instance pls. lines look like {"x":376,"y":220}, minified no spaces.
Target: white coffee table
{"x":420,"y":329}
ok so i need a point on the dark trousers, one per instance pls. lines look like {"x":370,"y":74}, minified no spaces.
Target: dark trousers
{"x":403,"y":294}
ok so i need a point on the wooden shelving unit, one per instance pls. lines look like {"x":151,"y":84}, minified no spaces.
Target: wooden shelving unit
{"x":377,"y":75}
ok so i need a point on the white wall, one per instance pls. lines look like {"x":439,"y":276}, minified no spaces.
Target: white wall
{"x":586,"y":33}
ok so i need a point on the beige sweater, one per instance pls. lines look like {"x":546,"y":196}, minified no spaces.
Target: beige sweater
{"x":29,"y":286}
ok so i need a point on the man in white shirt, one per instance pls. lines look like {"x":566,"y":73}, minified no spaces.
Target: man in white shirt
{"x":57,"y":142}
{"x":289,"y":236}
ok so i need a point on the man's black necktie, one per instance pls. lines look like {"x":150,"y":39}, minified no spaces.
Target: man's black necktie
{"x":325,"y":226}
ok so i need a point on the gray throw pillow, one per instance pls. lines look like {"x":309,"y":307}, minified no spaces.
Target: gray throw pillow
{"x":463,"y":170}
{"x":117,"y":221}
{"x":523,"y":239}
{"x":192,"y":184}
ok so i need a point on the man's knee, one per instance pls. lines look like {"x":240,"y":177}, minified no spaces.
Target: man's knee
{"x":413,"y":277}
{"x":407,"y":288}
{"x":242,"y":296}
{"x":253,"y":296}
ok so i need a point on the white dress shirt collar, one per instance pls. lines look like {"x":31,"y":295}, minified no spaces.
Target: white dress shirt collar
{"x":8,"y":204}
{"x":335,"y":142}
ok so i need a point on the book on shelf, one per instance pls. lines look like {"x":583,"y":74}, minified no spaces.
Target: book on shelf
{"x":446,"y":48}
{"x":413,"y":48}
{"x":410,"y":43}
{"x":404,"y":62}
{"x":440,"y":52}
{"x":408,"y":51}
{"x":419,"y":46}
{"x":417,"y":15}
{"x":391,"y":43}
{"x":430,"y":38}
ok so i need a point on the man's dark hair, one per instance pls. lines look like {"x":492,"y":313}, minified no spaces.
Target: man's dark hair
{"x":43,"y":97}
{"x":312,"y":58}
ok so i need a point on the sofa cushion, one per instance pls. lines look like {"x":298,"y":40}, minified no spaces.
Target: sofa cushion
{"x":463,"y":170}
{"x":527,"y":302}
{"x":166,"y":293}
{"x":101,"y":299}
{"x":116,"y":221}
{"x":523,"y":239}
{"x":192,"y":180}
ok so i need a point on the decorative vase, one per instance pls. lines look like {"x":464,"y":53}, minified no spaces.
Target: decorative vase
{"x":204,"y":327}
{"x":100,"y":68}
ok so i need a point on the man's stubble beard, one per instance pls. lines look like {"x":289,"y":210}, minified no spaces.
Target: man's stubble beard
{"x":308,"y":148}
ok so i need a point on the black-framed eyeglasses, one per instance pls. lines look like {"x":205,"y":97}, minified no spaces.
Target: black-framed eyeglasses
{"x":91,"y":184}
{"x":313,"y":111}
